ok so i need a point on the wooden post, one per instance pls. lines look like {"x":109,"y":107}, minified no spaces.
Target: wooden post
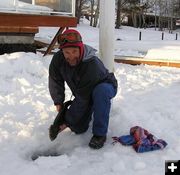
{"x":140,"y":36}
{"x":176,"y":36}
{"x":162,"y":35}
{"x":53,"y":42}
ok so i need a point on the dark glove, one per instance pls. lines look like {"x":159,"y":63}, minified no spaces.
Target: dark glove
{"x":59,"y":120}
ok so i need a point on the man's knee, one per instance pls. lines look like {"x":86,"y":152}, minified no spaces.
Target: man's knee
{"x":100,"y":89}
{"x":104,"y":90}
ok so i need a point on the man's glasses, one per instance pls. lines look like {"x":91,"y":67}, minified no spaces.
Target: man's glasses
{"x":69,"y":38}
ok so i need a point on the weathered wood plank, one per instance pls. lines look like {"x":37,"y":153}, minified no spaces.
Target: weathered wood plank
{"x":149,"y":62}
{"x":30,"y":20}
{"x":16,"y":29}
{"x":53,"y":42}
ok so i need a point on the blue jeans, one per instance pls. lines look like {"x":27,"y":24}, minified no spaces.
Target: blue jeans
{"x":102,"y":95}
{"x":100,"y":108}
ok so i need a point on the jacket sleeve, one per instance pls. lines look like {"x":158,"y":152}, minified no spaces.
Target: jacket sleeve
{"x":56,"y":82}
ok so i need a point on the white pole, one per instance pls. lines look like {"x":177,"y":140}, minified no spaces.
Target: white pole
{"x":33,"y":2}
{"x":106,"y":33}
{"x":73,"y":7}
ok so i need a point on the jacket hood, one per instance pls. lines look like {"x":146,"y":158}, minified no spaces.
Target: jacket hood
{"x":89,"y":53}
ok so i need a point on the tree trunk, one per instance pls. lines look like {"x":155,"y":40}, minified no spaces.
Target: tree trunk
{"x":160,"y":16}
{"x":92,"y":12}
{"x":96,"y":16}
{"x":144,"y":25}
{"x":140,"y":20}
{"x":134,"y":19}
{"x":118,"y":15}
{"x":155,"y":9}
{"x":77,"y":10}
{"x":79,"y":4}
{"x":171,"y":29}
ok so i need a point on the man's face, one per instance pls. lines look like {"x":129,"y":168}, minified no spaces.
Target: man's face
{"x":71,"y":55}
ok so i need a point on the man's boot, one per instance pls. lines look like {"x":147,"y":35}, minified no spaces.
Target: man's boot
{"x":97,"y":142}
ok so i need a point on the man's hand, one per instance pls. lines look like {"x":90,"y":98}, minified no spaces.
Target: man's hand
{"x":62,"y":127}
{"x":58,"y":108}
{"x":59,"y":122}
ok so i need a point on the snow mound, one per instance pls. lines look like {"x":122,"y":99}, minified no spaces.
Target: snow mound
{"x":163,"y":54}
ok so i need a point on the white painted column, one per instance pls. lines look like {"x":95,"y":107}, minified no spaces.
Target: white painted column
{"x":33,"y":2}
{"x":106,"y":33}
{"x":73,"y":7}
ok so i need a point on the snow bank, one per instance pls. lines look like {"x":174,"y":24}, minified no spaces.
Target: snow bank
{"x":147,"y":96}
{"x":163,"y":54}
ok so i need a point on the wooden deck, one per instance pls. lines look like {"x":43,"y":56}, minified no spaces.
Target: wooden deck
{"x":30,"y":20}
{"x":138,"y":61}
{"x":16,"y":29}
{"x":29,"y":23}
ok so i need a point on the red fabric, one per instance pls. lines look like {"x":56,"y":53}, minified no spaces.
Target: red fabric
{"x":77,"y":44}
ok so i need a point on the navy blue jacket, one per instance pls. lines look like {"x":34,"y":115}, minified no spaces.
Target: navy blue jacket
{"x":81,"y":79}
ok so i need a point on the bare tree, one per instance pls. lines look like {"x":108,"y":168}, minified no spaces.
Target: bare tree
{"x":160,"y":23}
{"x":122,"y":9}
{"x":118,"y":14}
{"x":136,"y":11}
{"x":92,"y":12}
{"x":166,"y":14}
{"x":80,"y":5}
{"x":96,"y":15}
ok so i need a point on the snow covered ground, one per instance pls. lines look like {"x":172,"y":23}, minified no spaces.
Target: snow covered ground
{"x":147,"y":96}
{"x":127,"y":41}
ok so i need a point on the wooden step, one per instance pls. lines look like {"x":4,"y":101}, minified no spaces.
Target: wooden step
{"x":138,"y":61}
{"x":17,"y":29}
